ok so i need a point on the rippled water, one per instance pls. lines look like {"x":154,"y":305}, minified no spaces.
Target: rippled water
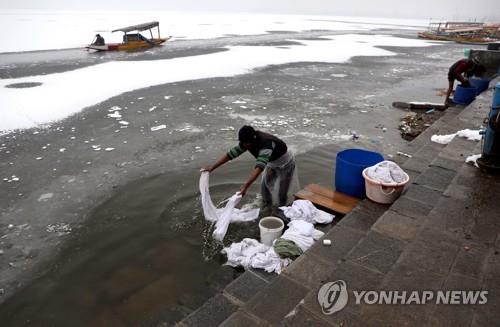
{"x":145,"y":254}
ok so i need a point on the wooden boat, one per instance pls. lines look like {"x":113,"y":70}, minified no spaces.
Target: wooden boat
{"x":460,"y":32}
{"x":133,"y":41}
{"x":456,"y":38}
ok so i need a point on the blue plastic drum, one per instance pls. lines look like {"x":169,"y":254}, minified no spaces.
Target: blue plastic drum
{"x":481,"y":84}
{"x":464,"y":95}
{"x":496,"y":96}
{"x":349,"y":170}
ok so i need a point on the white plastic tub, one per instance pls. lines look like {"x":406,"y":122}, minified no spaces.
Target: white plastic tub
{"x":381,"y":192}
{"x":270,"y":229}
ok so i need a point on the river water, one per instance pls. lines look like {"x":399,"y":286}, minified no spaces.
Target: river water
{"x":144,"y":252}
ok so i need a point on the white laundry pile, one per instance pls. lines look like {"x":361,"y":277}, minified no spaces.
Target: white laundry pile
{"x":471,"y":135}
{"x":387,"y":172}
{"x":305,"y":210}
{"x":302,"y":233}
{"x":250,"y":253}
{"x":223,"y":216}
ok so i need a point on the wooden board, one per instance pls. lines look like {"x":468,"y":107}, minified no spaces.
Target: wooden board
{"x":419,"y":105}
{"x":328,"y":198}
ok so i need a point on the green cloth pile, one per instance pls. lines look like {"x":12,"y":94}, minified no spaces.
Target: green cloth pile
{"x":286,"y":248}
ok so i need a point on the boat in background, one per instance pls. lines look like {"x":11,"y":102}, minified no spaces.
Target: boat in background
{"x":133,"y":41}
{"x":462,"y":32}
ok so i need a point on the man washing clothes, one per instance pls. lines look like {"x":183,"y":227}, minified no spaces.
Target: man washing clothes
{"x":272,"y":157}
{"x":461,"y":71}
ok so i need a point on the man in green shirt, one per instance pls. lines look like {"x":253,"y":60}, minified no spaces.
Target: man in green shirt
{"x":272,"y":158}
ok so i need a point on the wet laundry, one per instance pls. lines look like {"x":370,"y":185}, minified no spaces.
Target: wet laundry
{"x":386,"y":172}
{"x":302,"y":233}
{"x":286,"y":248}
{"x":250,"y":253}
{"x":223,"y":216}
{"x":305,"y":210}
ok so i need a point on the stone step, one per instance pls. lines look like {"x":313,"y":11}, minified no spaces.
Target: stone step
{"x":374,"y":241}
{"x":425,"y":231}
{"x":290,"y":297}
{"x":374,"y":246}
{"x":253,"y":299}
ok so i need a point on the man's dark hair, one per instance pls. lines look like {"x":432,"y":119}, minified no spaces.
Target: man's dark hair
{"x":246,"y":134}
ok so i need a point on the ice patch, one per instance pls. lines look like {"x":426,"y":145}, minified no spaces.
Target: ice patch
{"x":157,"y":128}
{"x":13,"y":178}
{"x":77,"y":27}
{"x":188,"y":128}
{"x":59,"y":228}
{"x":115,"y":114}
{"x":248,"y":118}
{"x":328,"y":136}
{"x":45,"y":197}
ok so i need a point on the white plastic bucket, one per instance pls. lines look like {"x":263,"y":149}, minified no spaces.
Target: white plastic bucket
{"x":270,"y":229}
{"x":381,"y":192}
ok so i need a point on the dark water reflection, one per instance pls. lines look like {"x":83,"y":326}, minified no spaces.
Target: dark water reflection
{"x":145,"y":255}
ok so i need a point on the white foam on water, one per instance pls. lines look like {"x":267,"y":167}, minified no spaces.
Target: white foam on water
{"x":157,"y":128}
{"x":63,"y":94}
{"x":248,"y":118}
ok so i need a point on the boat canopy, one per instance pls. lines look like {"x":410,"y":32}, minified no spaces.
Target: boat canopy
{"x":140,"y":27}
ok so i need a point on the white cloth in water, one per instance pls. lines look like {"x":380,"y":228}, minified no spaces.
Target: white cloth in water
{"x":302,"y":233}
{"x":305,"y":210}
{"x":251,"y":253}
{"x":223,"y":216}
{"x":387,"y":172}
